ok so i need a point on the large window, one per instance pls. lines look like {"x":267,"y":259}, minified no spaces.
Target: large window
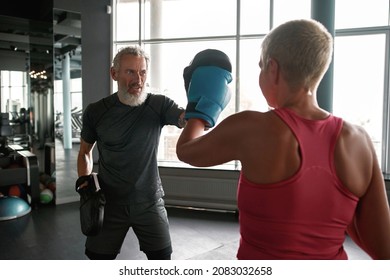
{"x":359,"y":83}
{"x":13,"y":90}
{"x":361,"y":13}
{"x":361,"y":69}
{"x":173,"y":31}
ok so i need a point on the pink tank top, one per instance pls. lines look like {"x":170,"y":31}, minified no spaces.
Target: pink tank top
{"x":305,"y":216}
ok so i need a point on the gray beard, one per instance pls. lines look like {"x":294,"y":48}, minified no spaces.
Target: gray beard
{"x":134,"y":100}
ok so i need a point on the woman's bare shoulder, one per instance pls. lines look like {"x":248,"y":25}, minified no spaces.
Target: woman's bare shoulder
{"x":250,"y":115}
{"x":353,"y":132}
{"x":354,"y":158}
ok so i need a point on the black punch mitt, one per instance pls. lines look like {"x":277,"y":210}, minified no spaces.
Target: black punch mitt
{"x":92,"y":202}
{"x":208,"y":57}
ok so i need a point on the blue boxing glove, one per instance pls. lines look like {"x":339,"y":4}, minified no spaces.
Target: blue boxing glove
{"x":208,"y":93}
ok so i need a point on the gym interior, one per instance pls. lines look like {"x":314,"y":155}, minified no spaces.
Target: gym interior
{"x":55,"y":59}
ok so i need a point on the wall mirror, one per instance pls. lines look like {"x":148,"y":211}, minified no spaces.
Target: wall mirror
{"x":34,"y":46}
{"x":27,"y":68}
{"x":26,"y":77}
{"x":67,"y":100}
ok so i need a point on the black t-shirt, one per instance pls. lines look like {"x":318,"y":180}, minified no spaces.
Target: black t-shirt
{"x":127,"y":140}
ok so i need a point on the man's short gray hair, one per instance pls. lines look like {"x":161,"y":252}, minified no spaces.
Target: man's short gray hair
{"x":131,"y":50}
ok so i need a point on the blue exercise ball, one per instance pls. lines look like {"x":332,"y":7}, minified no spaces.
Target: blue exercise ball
{"x":13,"y":207}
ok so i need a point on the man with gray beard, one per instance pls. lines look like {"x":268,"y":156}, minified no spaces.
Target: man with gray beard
{"x":126,"y":127}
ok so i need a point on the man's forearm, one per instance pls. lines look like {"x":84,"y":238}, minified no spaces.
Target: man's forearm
{"x":84,"y":164}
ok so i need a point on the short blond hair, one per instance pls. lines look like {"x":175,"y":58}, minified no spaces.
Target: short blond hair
{"x":303,"y":50}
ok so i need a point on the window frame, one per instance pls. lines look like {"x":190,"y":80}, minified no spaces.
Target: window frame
{"x":385,"y":156}
{"x":385,"y":30}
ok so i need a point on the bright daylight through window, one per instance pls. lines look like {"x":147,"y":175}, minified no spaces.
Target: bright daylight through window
{"x":171,"y":32}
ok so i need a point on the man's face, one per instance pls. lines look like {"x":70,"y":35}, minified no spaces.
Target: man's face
{"x":131,"y":77}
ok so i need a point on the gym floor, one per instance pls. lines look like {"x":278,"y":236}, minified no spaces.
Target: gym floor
{"x":52,"y":232}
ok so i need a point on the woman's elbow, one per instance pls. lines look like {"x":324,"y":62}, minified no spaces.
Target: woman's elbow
{"x":181,"y":154}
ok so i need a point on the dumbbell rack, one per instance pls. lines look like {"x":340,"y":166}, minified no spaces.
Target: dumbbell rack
{"x":27,"y":173}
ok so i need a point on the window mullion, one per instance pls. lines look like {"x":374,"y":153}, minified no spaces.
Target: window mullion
{"x":386,"y":111}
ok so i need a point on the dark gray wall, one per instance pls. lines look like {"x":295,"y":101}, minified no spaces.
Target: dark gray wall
{"x":96,"y":50}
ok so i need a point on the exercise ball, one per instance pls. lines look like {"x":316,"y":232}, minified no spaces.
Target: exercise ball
{"x":13,"y":207}
{"x":46,"y":196}
{"x":14,"y":190}
{"x":52,"y":186}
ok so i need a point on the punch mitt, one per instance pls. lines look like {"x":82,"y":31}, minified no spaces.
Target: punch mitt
{"x":208,"y":94}
{"x":80,"y":181}
{"x":208,"y":57}
{"x":92,"y":203}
